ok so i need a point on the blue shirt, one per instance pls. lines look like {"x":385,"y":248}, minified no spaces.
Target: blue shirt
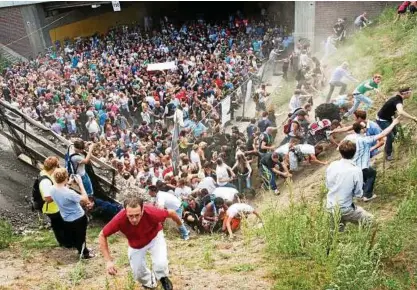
{"x":344,"y":180}
{"x":68,"y":202}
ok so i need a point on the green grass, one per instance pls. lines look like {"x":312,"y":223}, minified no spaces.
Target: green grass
{"x":6,"y":234}
{"x":243,"y":268}
{"x":383,"y":256}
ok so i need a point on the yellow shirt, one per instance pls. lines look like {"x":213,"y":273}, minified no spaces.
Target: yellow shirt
{"x":52,"y":207}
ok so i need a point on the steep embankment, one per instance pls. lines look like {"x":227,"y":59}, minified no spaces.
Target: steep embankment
{"x":295,"y":249}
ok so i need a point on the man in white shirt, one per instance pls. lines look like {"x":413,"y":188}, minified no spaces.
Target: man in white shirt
{"x":208,"y":183}
{"x":170,"y":202}
{"x":182,"y":191}
{"x":297,"y":101}
{"x":234,"y":215}
{"x":336,"y":80}
{"x":227,"y":193}
{"x":222,"y":173}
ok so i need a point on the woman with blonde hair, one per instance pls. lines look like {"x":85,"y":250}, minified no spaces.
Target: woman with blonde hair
{"x":69,"y":204}
{"x":195,"y":157}
{"x":50,"y":208}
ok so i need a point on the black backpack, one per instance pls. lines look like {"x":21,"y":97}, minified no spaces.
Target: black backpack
{"x":37,"y":199}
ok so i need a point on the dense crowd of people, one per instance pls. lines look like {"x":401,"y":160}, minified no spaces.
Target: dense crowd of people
{"x":100,"y":93}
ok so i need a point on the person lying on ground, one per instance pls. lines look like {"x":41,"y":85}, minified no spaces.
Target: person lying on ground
{"x":142,"y":226}
{"x":234,"y":215}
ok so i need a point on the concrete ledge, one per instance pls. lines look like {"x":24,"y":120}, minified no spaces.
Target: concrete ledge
{"x":10,"y":54}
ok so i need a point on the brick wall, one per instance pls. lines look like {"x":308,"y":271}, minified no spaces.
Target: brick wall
{"x":328,"y":12}
{"x":12,"y":27}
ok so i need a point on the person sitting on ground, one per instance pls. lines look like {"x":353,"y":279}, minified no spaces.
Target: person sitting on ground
{"x":69,"y":204}
{"x":165,"y":200}
{"x":142,"y":226}
{"x":212,"y":215}
{"x":344,"y":181}
{"x":234,"y":215}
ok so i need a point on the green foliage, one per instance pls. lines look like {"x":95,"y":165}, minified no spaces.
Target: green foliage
{"x":78,"y":273}
{"x":44,"y":239}
{"x":243,"y":268}
{"x":6,"y":234}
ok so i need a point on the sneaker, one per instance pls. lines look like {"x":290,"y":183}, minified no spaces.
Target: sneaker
{"x":276,"y":191}
{"x":366,"y":199}
{"x":390,"y":158}
{"x":186,"y":237}
{"x":166,"y":283}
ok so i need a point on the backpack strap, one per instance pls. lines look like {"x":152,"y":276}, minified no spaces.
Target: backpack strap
{"x":70,"y":159}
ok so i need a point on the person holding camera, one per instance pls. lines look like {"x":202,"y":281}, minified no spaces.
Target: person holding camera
{"x":69,"y":204}
{"x":79,"y":159}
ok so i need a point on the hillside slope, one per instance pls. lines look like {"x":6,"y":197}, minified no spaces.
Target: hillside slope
{"x":295,"y":249}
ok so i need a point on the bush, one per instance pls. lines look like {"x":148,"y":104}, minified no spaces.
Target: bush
{"x":6,"y":234}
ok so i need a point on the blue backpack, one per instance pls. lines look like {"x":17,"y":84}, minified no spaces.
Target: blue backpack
{"x":68,"y":163}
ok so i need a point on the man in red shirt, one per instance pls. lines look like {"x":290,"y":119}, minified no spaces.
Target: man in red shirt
{"x":142,"y":226}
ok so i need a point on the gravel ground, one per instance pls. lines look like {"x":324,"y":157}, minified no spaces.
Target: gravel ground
{"x":16,"y":180}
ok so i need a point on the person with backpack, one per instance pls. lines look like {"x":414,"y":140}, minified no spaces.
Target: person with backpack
{"x":43,"y":202}
{"x":77,"y":161}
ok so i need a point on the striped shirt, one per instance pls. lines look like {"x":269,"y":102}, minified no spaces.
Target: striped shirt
{"x":362,"y":156}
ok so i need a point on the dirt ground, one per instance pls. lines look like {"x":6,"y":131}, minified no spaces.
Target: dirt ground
{"x":203,"y":262}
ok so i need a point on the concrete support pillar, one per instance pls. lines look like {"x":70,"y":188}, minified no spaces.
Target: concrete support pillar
{"x":304,"y":20}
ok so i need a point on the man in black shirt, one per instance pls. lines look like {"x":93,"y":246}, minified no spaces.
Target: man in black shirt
{"x":271,"y":165}
{"x":387,"y":113}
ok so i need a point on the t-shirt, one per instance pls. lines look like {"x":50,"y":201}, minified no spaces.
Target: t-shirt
{"x":267,"y":161}
{"x":167,"y":200}
{"x":68,"y":202}
{"x":208,"y":183}
{"x":182,"y":193}
{"x":143,"y":233}
{"x":221,"y":173}
{"x":361,"y":89}
{"x":239,"y":208}
{"x":76,"y":159}
{"x":388,"y":110}
{"x":227,"y":193}
{"x":45,"y":187}
{"x":263,"y":124}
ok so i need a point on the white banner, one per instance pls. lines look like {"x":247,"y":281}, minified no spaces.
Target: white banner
{"x":248,"y":91}
{"x":225,"y":110}
{"x":116,"y":6}
{"x":161,"y":66}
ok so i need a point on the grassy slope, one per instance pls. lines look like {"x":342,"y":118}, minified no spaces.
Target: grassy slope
{"x":382,"y":257}
{"x":291,"y":250}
